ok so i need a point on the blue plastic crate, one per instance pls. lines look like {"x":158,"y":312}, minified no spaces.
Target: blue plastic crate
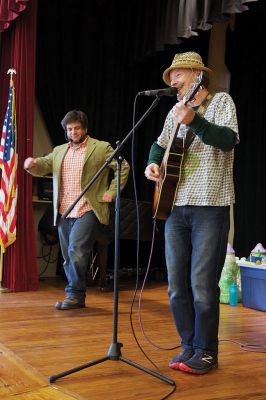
{"x":253,"y":286}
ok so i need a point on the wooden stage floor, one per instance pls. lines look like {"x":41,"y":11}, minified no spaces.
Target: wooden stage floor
{"x":37,"y":341}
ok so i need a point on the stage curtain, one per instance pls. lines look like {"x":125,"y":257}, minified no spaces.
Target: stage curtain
{"x":100,"y":67}
{"x":177,"y":20}
{"x":118,"y":51}
{"x":10,"y":10}
{"x":18,"y":45}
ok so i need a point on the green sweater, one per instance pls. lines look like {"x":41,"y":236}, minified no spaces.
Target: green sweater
{"x":221,"y":137}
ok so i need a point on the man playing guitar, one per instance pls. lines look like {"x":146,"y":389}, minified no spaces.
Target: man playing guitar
{"x":198,"y":213}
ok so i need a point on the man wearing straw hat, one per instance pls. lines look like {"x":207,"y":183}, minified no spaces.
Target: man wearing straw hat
{"x":196,"y":229}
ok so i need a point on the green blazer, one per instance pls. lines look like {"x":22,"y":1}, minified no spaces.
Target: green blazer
{"x":96,"y":154}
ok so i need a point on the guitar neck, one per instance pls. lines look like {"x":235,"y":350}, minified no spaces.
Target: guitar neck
{"x":171,"y":143}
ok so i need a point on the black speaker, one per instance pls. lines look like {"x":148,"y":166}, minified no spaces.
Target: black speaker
{"x":46,"y":227}
{"x":45,"y":189}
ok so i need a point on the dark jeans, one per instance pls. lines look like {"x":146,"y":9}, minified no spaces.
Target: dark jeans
{"x":195,"y":243}
{"x":77,"y":237}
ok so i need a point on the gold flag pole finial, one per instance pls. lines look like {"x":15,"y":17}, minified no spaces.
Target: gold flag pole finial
{"x":11,"y":71}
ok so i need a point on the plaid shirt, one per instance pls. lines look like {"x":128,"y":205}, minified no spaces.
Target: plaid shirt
{"x":70,"y":187}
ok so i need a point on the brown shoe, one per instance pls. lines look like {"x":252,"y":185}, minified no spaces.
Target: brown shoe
{"x":69,"y":303}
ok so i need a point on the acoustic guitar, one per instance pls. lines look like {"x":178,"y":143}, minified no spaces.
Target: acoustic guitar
{"x":171,"y":166}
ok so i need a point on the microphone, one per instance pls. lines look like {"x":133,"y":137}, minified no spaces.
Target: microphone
{"x":171,"y":91}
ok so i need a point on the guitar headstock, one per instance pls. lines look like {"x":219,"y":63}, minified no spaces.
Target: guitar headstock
{"x":198,"y":81}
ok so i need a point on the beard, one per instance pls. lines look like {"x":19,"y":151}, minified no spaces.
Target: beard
{"x":78,"y":141}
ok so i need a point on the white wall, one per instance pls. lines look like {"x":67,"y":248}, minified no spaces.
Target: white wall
{"x":42,"y":145}
{"x":41,"y":141}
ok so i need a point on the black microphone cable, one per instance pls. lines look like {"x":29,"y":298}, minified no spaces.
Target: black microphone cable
{"x":141,"y":296}
{"x":137,"y":256}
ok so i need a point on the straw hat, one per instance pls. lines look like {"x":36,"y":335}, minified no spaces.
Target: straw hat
{"x":185,"y":60}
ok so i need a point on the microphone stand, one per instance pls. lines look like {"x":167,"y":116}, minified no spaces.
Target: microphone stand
{"x":114,"y":352}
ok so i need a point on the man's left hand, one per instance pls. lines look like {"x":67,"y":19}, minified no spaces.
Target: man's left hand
{"x":183,"y":114}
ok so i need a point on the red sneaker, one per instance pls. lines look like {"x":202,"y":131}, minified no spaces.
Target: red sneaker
{"x":185,"y":355}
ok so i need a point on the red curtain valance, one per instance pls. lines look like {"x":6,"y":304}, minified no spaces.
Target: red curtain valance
{"x":9,"y":10}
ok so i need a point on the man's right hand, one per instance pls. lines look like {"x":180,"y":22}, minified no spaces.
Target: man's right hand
{"x":29,"y":163}
{"x":152,"y":172}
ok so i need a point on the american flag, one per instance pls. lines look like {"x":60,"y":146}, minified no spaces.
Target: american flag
{"x":8,"y":164}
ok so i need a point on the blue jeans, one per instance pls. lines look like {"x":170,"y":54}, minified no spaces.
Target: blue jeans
{"x":77,"y":237}
{"x":195,"y":244}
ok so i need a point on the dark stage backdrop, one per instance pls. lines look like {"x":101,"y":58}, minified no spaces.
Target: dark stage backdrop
{"x":245,"y":46}
{"x":97,"y":55}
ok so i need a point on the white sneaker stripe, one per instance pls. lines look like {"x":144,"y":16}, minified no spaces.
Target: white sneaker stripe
{"x":207,"y":359}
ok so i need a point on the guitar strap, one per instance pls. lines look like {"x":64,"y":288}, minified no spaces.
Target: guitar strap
{"x":190,"y":136}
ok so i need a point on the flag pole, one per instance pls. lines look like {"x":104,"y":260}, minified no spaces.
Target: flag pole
{"x":2,"y":289}
{"x":1,"y":266}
